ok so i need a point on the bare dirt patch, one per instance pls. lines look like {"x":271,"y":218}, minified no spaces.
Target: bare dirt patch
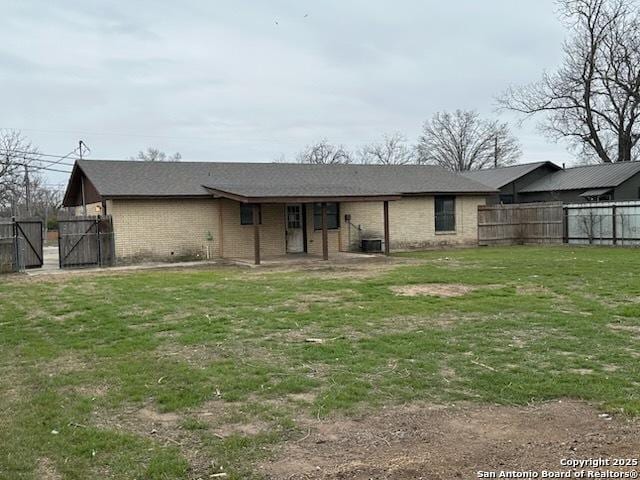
{"x":242,"y":429}
{"x":348,"y":268}
{"x":430,"y":442}
{"x":434,"y":290}
{"x":46,"y":470}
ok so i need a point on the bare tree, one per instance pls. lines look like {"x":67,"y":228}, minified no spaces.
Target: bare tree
{"x":16,"y":152}
{"x":156,"y":155}
{"x":392,"y":150}
{"x":324,"y":153}
{"x":593,"y":99}
{"x":46,"y":201}
{"x":462,"y":141}
{"x":590,"y":224}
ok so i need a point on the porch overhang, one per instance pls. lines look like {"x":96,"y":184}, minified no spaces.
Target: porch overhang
{"x":318,"y":198}
{"x":376,"y":197}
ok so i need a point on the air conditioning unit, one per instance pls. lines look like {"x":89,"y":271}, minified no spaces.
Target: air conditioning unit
{"x":371,"y":245}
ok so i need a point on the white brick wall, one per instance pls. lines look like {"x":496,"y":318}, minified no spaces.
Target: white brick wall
{"x":411,"y":222}
{"x":238,"y":241}
{"x":161,"y":229}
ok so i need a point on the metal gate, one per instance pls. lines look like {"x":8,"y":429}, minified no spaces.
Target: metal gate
{"x":21,"y":244}
{"x":86,"y":242}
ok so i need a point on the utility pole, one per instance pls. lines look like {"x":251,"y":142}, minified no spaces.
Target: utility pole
{"x":84,"y":202}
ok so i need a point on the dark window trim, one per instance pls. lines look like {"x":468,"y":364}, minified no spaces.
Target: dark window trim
{"x":506,"y":196}
{"x":337,"y":215}
{"x":250,"y":205}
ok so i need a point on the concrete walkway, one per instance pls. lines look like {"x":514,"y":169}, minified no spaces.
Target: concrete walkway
{"x":50,"y":260}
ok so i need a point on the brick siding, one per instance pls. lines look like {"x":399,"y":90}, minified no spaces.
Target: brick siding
{"x":162,"y":229}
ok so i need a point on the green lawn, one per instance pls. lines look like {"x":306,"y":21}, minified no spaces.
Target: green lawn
{"x":90,"y":363}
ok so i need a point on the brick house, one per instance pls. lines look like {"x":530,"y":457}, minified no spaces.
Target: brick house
{"x":547,"y":182}
{"x":253,"y":210}
{"x":511,"y":180}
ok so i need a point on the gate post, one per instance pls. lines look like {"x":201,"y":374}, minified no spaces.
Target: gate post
{"x":565,"y":225}
{"x":614,"y":228}
{"x":16,"y":245}
{"x":99,"y":243}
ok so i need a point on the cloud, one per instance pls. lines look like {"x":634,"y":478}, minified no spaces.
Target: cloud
{"x":253,"y":80}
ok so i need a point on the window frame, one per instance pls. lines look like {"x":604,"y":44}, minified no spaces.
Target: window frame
{"x":438,"y":222}
{"x":508,"y":196}
{"x":250,"y":206}
{"x":318,"y":226}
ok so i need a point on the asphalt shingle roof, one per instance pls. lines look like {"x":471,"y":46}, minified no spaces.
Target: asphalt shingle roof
{"x":589,"y":177}
{"x":499,"y":177}
{"x":136,"y":178}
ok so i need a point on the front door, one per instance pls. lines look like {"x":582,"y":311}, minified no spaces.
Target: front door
{"x":295,"y":232}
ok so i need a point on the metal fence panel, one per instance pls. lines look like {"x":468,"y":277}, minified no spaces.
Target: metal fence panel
{"x":603,"y":223}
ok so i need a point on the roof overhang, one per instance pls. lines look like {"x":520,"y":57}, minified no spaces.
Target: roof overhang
{"x":596,"y":192}
{"x":456,"y":194}
{"x":78,"y":181}
{"x":302,"y":198}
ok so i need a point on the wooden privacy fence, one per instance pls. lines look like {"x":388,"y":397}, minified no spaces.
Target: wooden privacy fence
{"x":86,"y":242}
{"x":522,"y":223}
{"x":21,"y":244}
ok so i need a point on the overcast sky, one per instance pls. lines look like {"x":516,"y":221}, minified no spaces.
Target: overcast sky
{"x":256,"y":80}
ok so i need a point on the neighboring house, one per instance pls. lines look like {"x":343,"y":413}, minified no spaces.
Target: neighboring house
{"x":607,"y":181}
{"x":164,"y":209}
{"x":511,"y":180}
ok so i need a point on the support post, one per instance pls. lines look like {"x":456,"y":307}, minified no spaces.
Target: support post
{"x":325,"y":235}
{"x":386,"y":227}
{"x":565,"y":225}
{"x":256,"y":233}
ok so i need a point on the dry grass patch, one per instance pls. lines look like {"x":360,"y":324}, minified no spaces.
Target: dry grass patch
{"x":353,"y":268}
{"x":62,"y":365}
{"x":533,"y":290}
{"x":46,"y":470}
{"x":625,"y":328}
{"x":192,"y":354}
{"x":443,"y":290}
{"x":302,"y":303}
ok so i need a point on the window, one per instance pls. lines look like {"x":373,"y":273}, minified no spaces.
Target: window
{"x":333,"y":216}
{"x":506,"y":198}
{"x":294,"y":216}
{"x":445,"y":213}
{"x":246,"y":214}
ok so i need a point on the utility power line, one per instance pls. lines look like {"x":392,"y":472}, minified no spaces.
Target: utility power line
{"x":108,"y":134}
{"x":44,"y":154}
{"x":34,"y":167}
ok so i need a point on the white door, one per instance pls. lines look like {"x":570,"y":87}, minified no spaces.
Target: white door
{"x":295,"y":235}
